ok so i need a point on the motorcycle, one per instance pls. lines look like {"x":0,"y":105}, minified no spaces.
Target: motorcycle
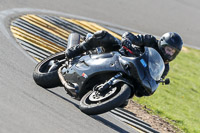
{"x":102,"y":81}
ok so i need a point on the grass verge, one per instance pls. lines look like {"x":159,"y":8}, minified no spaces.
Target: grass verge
{"x":180,"y":101}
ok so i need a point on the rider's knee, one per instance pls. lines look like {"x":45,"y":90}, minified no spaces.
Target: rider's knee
{"x":100,"y":34}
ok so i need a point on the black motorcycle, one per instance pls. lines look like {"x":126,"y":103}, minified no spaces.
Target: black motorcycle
{"x":102,"y":81}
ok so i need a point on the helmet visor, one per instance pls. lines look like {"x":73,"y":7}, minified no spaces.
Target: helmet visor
{"x":170,"y":52}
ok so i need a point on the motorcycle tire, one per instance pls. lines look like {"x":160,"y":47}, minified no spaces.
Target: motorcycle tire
{"x":118,"y":98}
{"x":43,"y":77}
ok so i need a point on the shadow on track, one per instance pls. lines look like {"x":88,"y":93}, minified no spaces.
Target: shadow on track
{"x":109,"y":124}
{"x":76,"y":105}
{"x":96,"y":117}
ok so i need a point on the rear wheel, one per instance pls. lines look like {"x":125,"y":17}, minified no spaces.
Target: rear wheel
{"x":46,"y":72}
{"x":95,"y":102}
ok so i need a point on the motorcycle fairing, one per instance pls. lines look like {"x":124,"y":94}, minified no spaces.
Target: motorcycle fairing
{"x":91,"y":65}
{"x":139,"y":70}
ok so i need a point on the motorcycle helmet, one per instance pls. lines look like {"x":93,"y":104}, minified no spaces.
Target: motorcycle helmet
{"x":170,"y":44}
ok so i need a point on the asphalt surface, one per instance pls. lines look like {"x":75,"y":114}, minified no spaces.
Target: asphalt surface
{"x":25,"y":107}
{"x":152,"y":16}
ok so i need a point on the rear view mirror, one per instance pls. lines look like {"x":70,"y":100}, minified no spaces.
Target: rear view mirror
{"x":167,"y":81}
{"x":164,"y":82}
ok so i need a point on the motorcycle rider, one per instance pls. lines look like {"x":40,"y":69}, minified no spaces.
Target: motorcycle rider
{"x":169,"y":45}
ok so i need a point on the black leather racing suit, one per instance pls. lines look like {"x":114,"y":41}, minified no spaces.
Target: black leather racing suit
{"x":110,"y":43}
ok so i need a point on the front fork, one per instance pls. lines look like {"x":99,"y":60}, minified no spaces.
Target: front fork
{"x":107,"y":84}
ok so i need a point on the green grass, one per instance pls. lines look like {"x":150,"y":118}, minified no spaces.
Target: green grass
{"x":179,"y":101}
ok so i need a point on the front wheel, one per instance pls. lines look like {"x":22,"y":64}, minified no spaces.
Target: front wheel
{"x":95,"y":102}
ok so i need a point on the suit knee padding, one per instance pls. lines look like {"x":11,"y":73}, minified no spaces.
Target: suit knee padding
{"x":100,"y":34}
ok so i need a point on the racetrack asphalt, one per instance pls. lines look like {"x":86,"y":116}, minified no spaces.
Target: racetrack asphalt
{"x":153,"y":16}
{"x":26,"y":107}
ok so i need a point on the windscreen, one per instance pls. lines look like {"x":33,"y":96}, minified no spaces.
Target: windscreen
{"x":156,"y":64}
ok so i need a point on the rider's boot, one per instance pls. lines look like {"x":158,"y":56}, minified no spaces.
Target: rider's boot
{"x":75,"y":51}
{"x":100,"y":38}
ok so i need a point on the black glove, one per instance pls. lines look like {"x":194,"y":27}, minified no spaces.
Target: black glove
{"x":129,"y":48}
{"x":127,"y":43}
